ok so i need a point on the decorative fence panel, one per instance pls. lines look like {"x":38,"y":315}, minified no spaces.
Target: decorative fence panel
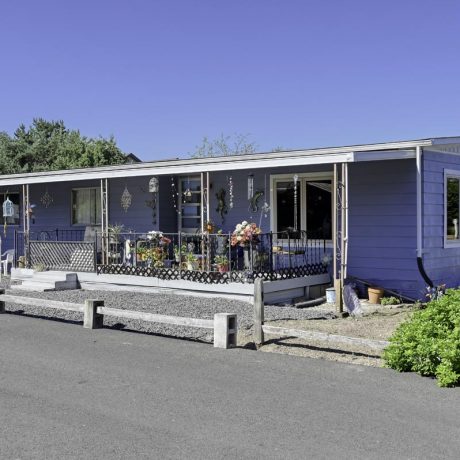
{"x":77,"y":256}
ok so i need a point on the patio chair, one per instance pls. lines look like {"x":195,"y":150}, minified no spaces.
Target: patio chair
{"x":6,"y":258}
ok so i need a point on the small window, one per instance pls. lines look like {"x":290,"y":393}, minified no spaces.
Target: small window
{"x":14,"y":219}
{"x":86,"y":206}
{"x":452,"y":208}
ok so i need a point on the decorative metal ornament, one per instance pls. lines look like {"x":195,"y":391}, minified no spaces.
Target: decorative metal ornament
{"x":8,"y":208}
{"x":175,"y":195}
{"x":126,"y":199}
{"x":154,"y":185}
{"x":250,"y":186}
{"x":46,"y":200}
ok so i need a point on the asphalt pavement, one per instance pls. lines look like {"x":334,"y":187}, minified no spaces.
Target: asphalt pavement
{"x":71,"y":393}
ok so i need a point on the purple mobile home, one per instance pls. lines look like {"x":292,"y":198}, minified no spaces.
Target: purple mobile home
{"x":386,"y":214}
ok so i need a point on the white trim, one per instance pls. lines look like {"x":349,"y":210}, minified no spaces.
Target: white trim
{"x":369,"y":152}
{"x":419,"y":167}
{"x":449,"y":173}
{"x":303,"y":178}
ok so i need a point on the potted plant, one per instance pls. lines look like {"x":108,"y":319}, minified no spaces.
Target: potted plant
{"x":222,"y":263}
{"x":191,"y":261}
{"x":178,"y":251}
{"x":141,"y":253}
{"x":115,"y":231}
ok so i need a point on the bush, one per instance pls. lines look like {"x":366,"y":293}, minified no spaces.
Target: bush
{"x":429,"y":342}
{"x":390,"y":301}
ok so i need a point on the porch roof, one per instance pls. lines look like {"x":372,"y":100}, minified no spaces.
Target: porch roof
{"x":331,"y":155}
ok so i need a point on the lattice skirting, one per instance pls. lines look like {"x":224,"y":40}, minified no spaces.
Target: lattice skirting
{"x":212,"y":277}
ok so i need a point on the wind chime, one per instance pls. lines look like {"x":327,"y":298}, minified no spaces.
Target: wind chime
{"x":187,"y":193}
{"x":265,"y":207}
{"x":296,"y":178}
{"x":175,"y":196}
{"x":8,"y":211}
{"x":154,"y":188}
{"x":230,"y":192}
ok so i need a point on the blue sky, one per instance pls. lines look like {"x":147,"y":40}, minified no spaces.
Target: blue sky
{"x":160,"y":75}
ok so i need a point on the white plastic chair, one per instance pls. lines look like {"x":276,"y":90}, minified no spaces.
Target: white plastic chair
{"x":6,"y":259}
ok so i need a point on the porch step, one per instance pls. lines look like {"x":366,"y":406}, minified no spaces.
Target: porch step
{"x":48,"y":281}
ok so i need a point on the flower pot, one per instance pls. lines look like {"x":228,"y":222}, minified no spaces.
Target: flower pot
{"x":375,"y":294}
{"x":223,"y":268}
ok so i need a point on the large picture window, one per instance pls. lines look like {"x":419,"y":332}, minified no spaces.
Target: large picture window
{"x":312,"y":209}
{"x":14,"y":219}
{"x":451,"y":208}
{"x":86,"y":206}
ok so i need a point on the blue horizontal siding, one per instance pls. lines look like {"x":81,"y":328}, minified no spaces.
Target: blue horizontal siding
{"x":441,"y":264}
{"x":382,"y":225}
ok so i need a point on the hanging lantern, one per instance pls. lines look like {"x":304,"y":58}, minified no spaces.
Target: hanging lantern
{"x":154,"y":185}
{"x":250,"y":186}
{"x":8,"y":208}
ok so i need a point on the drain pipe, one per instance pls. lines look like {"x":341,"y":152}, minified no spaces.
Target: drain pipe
{"x":418,"y":160}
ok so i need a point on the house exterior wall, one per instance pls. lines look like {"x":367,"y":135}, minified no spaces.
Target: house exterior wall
{"x":382,"y":225}
{"x":441,"y":264}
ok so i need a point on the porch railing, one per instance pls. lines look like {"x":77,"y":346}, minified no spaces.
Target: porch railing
{"x":207,"y":258}
{"x":211,"y":258}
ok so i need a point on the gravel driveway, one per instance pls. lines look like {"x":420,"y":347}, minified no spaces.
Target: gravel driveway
{"x":166,"y":304}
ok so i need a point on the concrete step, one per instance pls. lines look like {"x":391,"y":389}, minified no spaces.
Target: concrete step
{"x":33,"y":286}
{"x":48,"y":281}
{"x":21,"y":273}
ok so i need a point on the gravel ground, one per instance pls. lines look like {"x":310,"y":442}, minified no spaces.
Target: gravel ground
{"x":166,"y":304}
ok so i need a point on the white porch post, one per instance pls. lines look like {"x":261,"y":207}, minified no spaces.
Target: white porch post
{"x":338,"y":234}
{"x":104,"y":219}
{"x":26,"y":219}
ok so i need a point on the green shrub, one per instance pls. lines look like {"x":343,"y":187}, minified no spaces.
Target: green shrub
{"x":429,"y":342}
{"x":390,"y":301}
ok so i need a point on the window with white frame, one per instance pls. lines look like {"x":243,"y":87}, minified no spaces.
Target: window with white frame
{"x":451,"y":207}
{"x":86,"y":206}
{"x":308,"y":204}
{"x":14,"y":219}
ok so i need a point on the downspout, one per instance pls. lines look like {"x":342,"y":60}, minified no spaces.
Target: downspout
{"x":418,"y":160}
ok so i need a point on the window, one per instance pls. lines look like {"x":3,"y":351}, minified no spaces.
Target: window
{"x":314,"y":204}
{"x":14,"y":198}
{"x":86,"y":206}
{"x":451,"y":208}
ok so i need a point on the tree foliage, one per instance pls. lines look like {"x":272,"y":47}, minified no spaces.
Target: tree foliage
{"x":238,"y":144}
{"x":49,"y":145}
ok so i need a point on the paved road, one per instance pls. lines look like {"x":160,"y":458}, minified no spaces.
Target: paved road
{"x":67,"y":392}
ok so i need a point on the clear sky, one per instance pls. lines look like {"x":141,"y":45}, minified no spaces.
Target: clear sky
{"x":160,"y":75}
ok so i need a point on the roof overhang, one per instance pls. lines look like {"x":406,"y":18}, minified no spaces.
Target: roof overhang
{"x":327,"y":156}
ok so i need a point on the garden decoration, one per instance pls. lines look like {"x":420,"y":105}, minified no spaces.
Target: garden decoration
{"x":154,"y":185}
{"x":8,"y":211}
{"x":296,"y":178}
{"x":126,"y":199}
{"x":230,"y":192}
{"x":254,"y":201}
{"x":250,"y":186}
{"x":221,"y":205}
{"x":46,"y":199}
{"x":175,"y":195}
{"x":187,"y":193}
{"x":265,"y":207}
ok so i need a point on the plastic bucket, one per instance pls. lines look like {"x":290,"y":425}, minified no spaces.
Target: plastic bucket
{"x":330,"y":295}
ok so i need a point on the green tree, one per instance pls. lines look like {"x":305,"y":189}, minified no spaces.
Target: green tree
{"x":238,"y":144}
{"x":49,"y":145}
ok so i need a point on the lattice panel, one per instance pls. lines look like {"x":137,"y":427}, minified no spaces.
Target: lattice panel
{"x":63,"y":255}
{"x":213,"y":277}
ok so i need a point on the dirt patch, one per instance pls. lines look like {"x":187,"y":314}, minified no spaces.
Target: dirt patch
{"x":377,"y":323}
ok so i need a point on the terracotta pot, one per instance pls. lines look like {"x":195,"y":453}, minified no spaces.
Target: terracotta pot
{"x":375,"y":294}
{"x":223,"y":268}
